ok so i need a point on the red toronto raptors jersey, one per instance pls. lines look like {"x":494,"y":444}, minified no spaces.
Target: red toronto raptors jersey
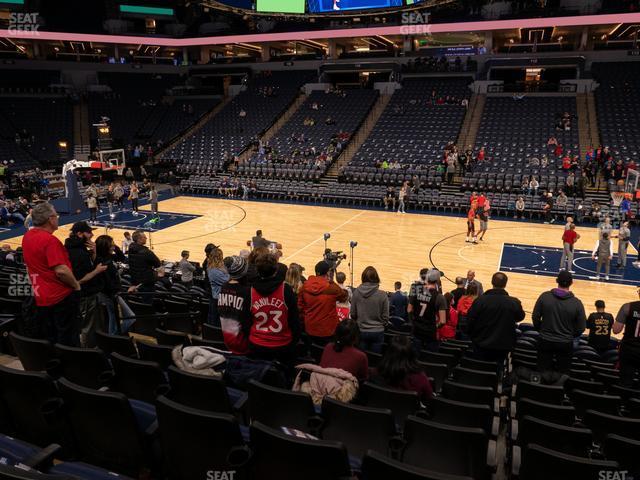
{"x":270,"y":319}
{"x":343,"y":313}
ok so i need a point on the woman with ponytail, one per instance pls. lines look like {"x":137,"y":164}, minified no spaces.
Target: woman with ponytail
{"x":342,"y":354}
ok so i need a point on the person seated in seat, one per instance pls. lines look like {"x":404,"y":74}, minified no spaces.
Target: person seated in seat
{"x":342,"y":352}
{"x":399,"y":368}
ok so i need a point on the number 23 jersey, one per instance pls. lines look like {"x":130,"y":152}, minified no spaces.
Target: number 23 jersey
{"x":270,"y":319}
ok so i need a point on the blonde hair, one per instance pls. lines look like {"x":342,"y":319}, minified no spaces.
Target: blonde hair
{"x":215,"y":259}
{"x":294,"y":277}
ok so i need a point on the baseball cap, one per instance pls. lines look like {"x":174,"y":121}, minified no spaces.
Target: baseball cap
{"x":322,"y":268}
{"x":433,"y":276}
{"x":82,"y":227}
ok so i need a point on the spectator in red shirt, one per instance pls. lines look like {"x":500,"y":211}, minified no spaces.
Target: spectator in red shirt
{"x":52,"y":279}
{"x":481,"y":154}
{"x":342,"y":354}
{"x":558,"y":150}
{"x":569,"y":238}
{"x":399,"y":368}
{"x":566,"y":163}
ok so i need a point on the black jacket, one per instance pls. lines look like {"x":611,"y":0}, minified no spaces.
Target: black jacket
{"x":266,"y":286}
{"x":559,"y":316}
{"x":142,"y":265}
{"x":492,"y":320}
{"x":82,"y":264}
{"x":111,"y":278}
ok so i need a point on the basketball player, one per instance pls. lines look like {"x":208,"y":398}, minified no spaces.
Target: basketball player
{"x":471,"y":224}
{"x":624,"y":235}
{"x":484,"y":219}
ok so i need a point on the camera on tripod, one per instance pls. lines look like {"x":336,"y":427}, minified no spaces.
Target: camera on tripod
{"x":334,"y":258}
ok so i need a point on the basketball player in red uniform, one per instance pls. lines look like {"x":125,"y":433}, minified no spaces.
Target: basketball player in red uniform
{"x":275,"y":326}
{"x":471,"y":224}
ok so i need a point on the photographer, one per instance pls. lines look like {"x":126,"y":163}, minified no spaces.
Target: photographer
{"x":317,"y":303}
{"x":82,"y":253}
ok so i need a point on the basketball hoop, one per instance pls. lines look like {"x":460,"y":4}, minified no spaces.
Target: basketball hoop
{"x":617,"y":198}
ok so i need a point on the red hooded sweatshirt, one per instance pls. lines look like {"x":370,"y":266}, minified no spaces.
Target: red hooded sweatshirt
{"x":317,"y":306}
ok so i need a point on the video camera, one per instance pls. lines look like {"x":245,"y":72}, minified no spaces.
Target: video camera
{"x":334,"y":258}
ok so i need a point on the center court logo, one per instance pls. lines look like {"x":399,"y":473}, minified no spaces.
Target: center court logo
{"x":415,"y":23}
{"x":24,"y":24}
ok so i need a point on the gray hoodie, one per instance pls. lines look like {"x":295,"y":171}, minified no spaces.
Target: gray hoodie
{"x":559,"y":316}
{"x":370,"y":308}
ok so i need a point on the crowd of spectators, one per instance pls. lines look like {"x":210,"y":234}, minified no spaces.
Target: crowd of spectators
{"x":264,"y":307}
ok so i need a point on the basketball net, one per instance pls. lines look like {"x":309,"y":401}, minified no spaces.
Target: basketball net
{"x":617,"y":198}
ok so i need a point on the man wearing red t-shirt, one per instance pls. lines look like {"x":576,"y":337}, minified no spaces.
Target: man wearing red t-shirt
{"x":52,"y":279}
{"x":569,"y":238}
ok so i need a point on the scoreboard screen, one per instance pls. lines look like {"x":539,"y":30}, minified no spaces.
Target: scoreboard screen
{"x":318,"y":6}
{"x":280,"y":6}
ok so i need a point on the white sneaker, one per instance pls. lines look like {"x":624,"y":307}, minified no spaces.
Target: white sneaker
{"x":607,"y":277}
{"x":572,"y":271}
{"x":597,"y":277}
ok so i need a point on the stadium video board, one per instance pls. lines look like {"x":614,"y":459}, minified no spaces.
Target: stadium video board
{"x":280,"y":6}
{"x":320,"y":6}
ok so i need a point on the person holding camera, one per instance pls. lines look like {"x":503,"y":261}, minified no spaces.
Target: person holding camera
{"x":317,"y":303}
{"x":82,"y":253}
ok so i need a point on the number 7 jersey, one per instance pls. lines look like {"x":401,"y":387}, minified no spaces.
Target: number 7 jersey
{"x":270,"y":319}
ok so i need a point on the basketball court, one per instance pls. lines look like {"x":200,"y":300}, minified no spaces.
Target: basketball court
{"x":397,"y":245}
